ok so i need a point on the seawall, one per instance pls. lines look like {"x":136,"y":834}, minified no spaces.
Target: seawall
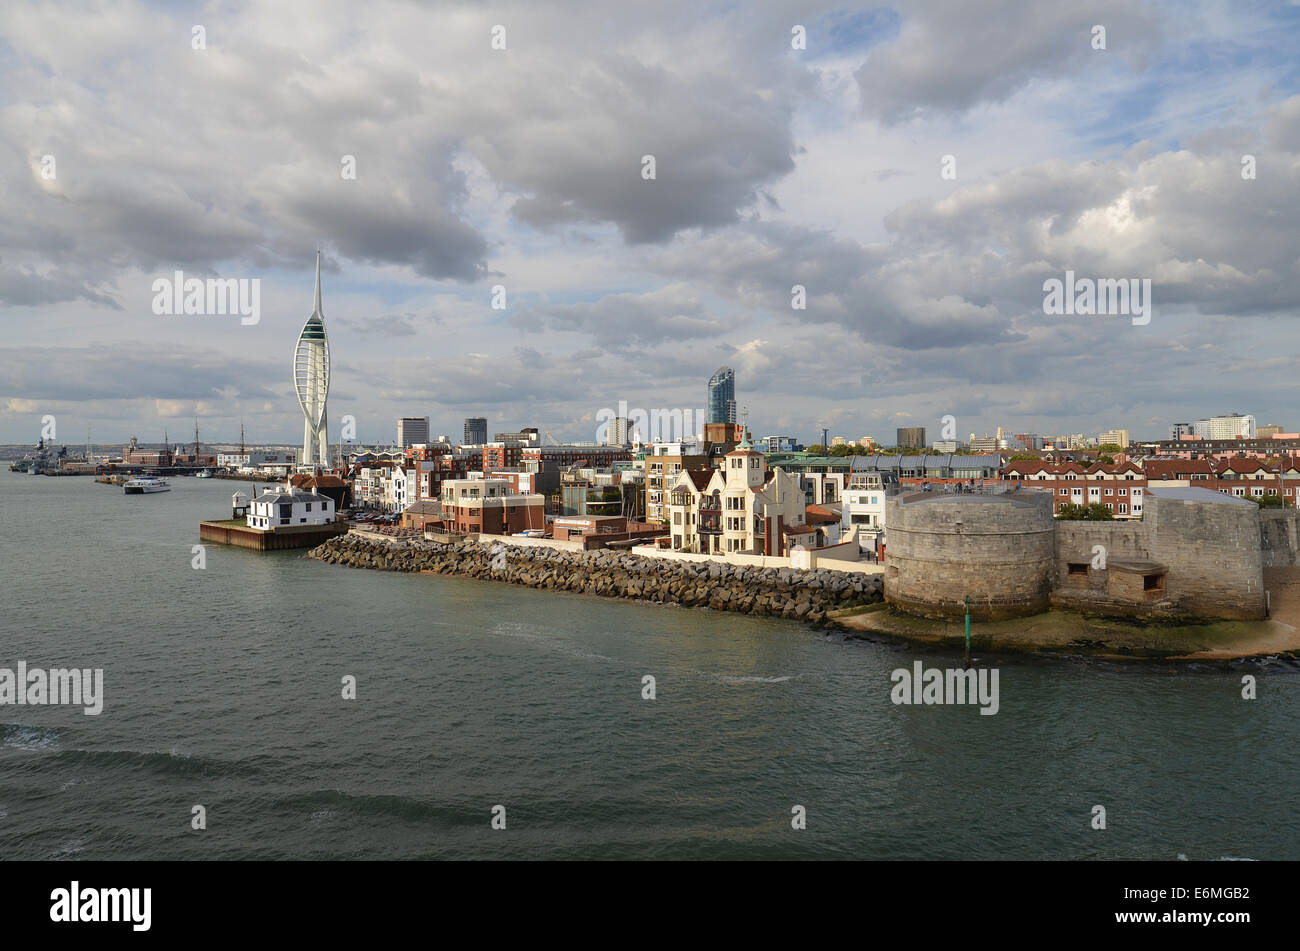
{"x":780,"y":592}
{"x":233,"y":532}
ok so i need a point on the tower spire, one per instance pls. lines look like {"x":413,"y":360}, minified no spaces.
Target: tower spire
{"x":318,"y":310}
{"x":311,"y":375}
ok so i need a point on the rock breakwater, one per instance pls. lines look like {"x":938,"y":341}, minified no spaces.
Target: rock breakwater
{"x":780,"y":592}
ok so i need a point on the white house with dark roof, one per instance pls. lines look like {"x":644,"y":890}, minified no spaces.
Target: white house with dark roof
{"x":285,"y":507}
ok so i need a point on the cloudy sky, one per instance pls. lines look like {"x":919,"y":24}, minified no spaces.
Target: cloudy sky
{"x":774,"y":166}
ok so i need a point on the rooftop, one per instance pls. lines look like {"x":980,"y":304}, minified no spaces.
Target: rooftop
{"x":1194,"y":494}
{"x":294,"y":495}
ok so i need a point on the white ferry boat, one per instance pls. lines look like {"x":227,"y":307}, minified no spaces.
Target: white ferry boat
{"x":145,"y":485}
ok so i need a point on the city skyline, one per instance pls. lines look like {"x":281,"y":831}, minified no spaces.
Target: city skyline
{"x":924,"y":291}
{"x":435,"y":433}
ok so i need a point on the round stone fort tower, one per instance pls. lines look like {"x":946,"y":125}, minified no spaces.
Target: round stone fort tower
{"x":998,"y":549}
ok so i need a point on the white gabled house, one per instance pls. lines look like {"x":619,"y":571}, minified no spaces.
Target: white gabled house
{"x":287,"y":507}
{"x":742,"y":508}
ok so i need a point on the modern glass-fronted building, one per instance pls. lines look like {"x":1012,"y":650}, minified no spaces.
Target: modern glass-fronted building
{"x":722,"y":396}
{"x":475,"y":430}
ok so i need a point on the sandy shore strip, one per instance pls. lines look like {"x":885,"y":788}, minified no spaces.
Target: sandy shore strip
{"x":1283,"y":587}
{"x":1058,"y":631}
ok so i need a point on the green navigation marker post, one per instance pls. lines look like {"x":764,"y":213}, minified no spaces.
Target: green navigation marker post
{"x":967,"y":631}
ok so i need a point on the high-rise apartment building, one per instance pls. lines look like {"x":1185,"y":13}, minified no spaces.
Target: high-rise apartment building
{"x":722,"y":396}
{"x":1232,"y":426}
{"x":618,"y":431}
{"x":475,"y":430}
{"x":911,"y":437}
{"x":412,"y":431}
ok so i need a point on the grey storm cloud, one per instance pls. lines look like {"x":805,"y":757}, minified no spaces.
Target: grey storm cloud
{"x":473,"y":383}
{"x":951,"y":55}
{"x":624,"y":321}
{"x":711,"y":155}
{"x":877,"y":292}
{"x":121,"y":372}
{"x":524,"y":165}
{"x":24,"y":287}
{"x":389,"y":325}
{"x":240,"y":159}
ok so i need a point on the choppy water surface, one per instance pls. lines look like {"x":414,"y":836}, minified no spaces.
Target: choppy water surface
{"x":223,"y":689}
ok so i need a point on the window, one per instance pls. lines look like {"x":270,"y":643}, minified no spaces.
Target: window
{"x":1110,"y":491}
{"x":1123,"y":508}
{"x":301,"y":520}
{"x":1078,"y":567}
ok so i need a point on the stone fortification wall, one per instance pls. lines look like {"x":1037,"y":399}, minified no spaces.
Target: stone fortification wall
{"x":999,"y":550}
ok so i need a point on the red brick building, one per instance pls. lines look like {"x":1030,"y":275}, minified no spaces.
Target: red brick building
{"x":596,"y":531}
{"x":425,"y":515}
{"x":1121,"y":487}
{"x":499,"y":455}
{"x":599,"y":457}
{"x":490,"y":507}
{"x":1239,"y":476}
